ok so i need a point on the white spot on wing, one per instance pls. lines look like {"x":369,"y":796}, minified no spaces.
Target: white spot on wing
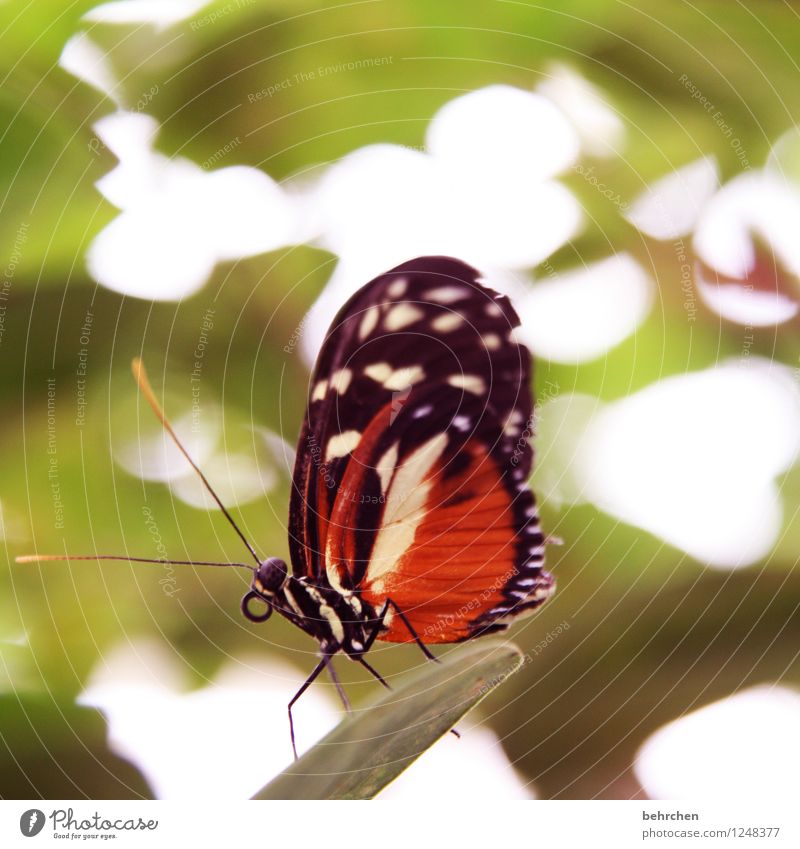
{"x":492,"y":341}
{"x":446,"y":294}
{"x":342,"y":444}
{"x":514,"y":420}
{"x":394,"y":379}
{"x":402,"y":315}
{"x":368,"y":323}
{"x":378,"y":371}
{"x":469,"y":382}
{"x":319,"y":390}
{"x":398,"y":288}
{"x":404,"y":377}
{"x":447,"y":322}
{"x":341,"y":380}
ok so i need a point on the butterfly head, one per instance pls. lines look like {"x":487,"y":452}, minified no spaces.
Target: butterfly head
{"x":268,"y":580}
{"x":270,"y":577}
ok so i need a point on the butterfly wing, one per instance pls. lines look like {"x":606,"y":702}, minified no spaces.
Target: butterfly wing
{"x":413,"y":461}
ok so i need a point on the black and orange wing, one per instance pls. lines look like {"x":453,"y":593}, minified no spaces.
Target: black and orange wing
{"x":411,"y":478}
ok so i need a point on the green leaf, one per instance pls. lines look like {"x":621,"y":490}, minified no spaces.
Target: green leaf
{"x":371,"y":747}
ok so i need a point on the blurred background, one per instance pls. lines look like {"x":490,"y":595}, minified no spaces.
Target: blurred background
{"x":202,"y":184}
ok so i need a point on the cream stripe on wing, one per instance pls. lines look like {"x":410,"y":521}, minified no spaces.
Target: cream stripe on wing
{"x":385,"y":467}
{"x":405,"y":509}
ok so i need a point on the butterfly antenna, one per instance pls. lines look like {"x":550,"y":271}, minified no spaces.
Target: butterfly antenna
{"x":140,"y":375}
{"x":46,"y":558}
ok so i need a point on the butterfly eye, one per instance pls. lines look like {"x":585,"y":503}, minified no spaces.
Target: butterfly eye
{"x":250,"y":614}
{"x":270,"y":576}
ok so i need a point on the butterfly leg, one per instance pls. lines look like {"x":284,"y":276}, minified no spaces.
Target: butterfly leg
{"x":368,"y":645}
{"x":308,"y":682}
{"x":339,"y":688}
{"x":374,"y":636}
{"x":425,"y":650}
{"x":377,"y":629}
{"x":379,"y":624}
{"x":374,"y":673}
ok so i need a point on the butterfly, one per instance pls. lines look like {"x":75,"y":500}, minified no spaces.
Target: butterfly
{"x":411,"y":518}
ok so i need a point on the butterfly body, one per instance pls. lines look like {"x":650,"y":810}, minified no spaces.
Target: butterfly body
{"x":339,"y":622}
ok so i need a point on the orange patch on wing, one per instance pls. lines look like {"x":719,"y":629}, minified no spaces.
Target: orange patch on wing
{"x":462,"y":555}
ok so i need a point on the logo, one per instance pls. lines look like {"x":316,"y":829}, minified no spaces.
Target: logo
{"x":31,"y":822}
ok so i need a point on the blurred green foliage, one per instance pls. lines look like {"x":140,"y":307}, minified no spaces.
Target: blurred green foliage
{"x":652,"y":632}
